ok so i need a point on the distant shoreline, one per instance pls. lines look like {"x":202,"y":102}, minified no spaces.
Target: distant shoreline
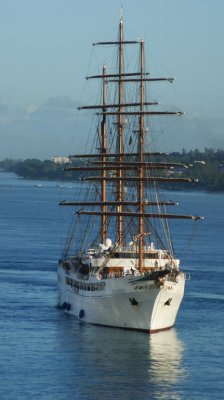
{"x":206,"y":166}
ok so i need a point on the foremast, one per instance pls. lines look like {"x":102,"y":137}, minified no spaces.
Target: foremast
{"x":103,"y":151}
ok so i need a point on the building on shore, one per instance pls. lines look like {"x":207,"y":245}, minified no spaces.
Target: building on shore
{"x":60,"y":160}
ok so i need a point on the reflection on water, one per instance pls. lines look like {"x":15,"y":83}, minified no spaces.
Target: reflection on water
{"x":123,"y":364}
{"x":166,"y":371}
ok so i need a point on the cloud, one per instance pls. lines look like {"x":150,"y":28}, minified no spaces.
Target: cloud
{"x":54,"y":107}
{"x":37,"y":131}
{"x":42,"y":131}
{"x":190,"y":132}
{"x":206,"y":131}
{"x":9,"y":112}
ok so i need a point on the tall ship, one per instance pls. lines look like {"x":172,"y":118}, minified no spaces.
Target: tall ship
{"x":118,"y":267}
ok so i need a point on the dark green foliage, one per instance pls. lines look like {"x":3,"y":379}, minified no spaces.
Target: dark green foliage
{"x":210,"y":174}
{"x":36,"y":169}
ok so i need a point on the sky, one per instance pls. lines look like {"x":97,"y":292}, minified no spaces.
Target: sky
{"x":46,"y":50}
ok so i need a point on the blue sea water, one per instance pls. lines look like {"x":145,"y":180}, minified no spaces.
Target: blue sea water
{"x":46,"y":354}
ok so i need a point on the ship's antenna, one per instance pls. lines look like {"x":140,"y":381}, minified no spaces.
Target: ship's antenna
{"x":121,"y":13}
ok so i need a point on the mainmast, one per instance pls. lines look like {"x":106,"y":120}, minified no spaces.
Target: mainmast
{"x":120,"y":149}
{"x":141,"y":158}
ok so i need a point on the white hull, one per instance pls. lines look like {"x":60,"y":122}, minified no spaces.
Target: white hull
{"x":156,"y":308}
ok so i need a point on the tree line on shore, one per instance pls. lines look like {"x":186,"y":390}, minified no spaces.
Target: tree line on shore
{"x":207,"y":166}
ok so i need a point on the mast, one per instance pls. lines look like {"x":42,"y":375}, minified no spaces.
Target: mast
{"x":141,"y":159}
{"x":120,"y":162}
{"x":120,"y":136}
{"x":103,"y":149}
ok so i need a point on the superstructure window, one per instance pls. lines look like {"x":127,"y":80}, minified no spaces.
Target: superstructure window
{"x":81,"y":285}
